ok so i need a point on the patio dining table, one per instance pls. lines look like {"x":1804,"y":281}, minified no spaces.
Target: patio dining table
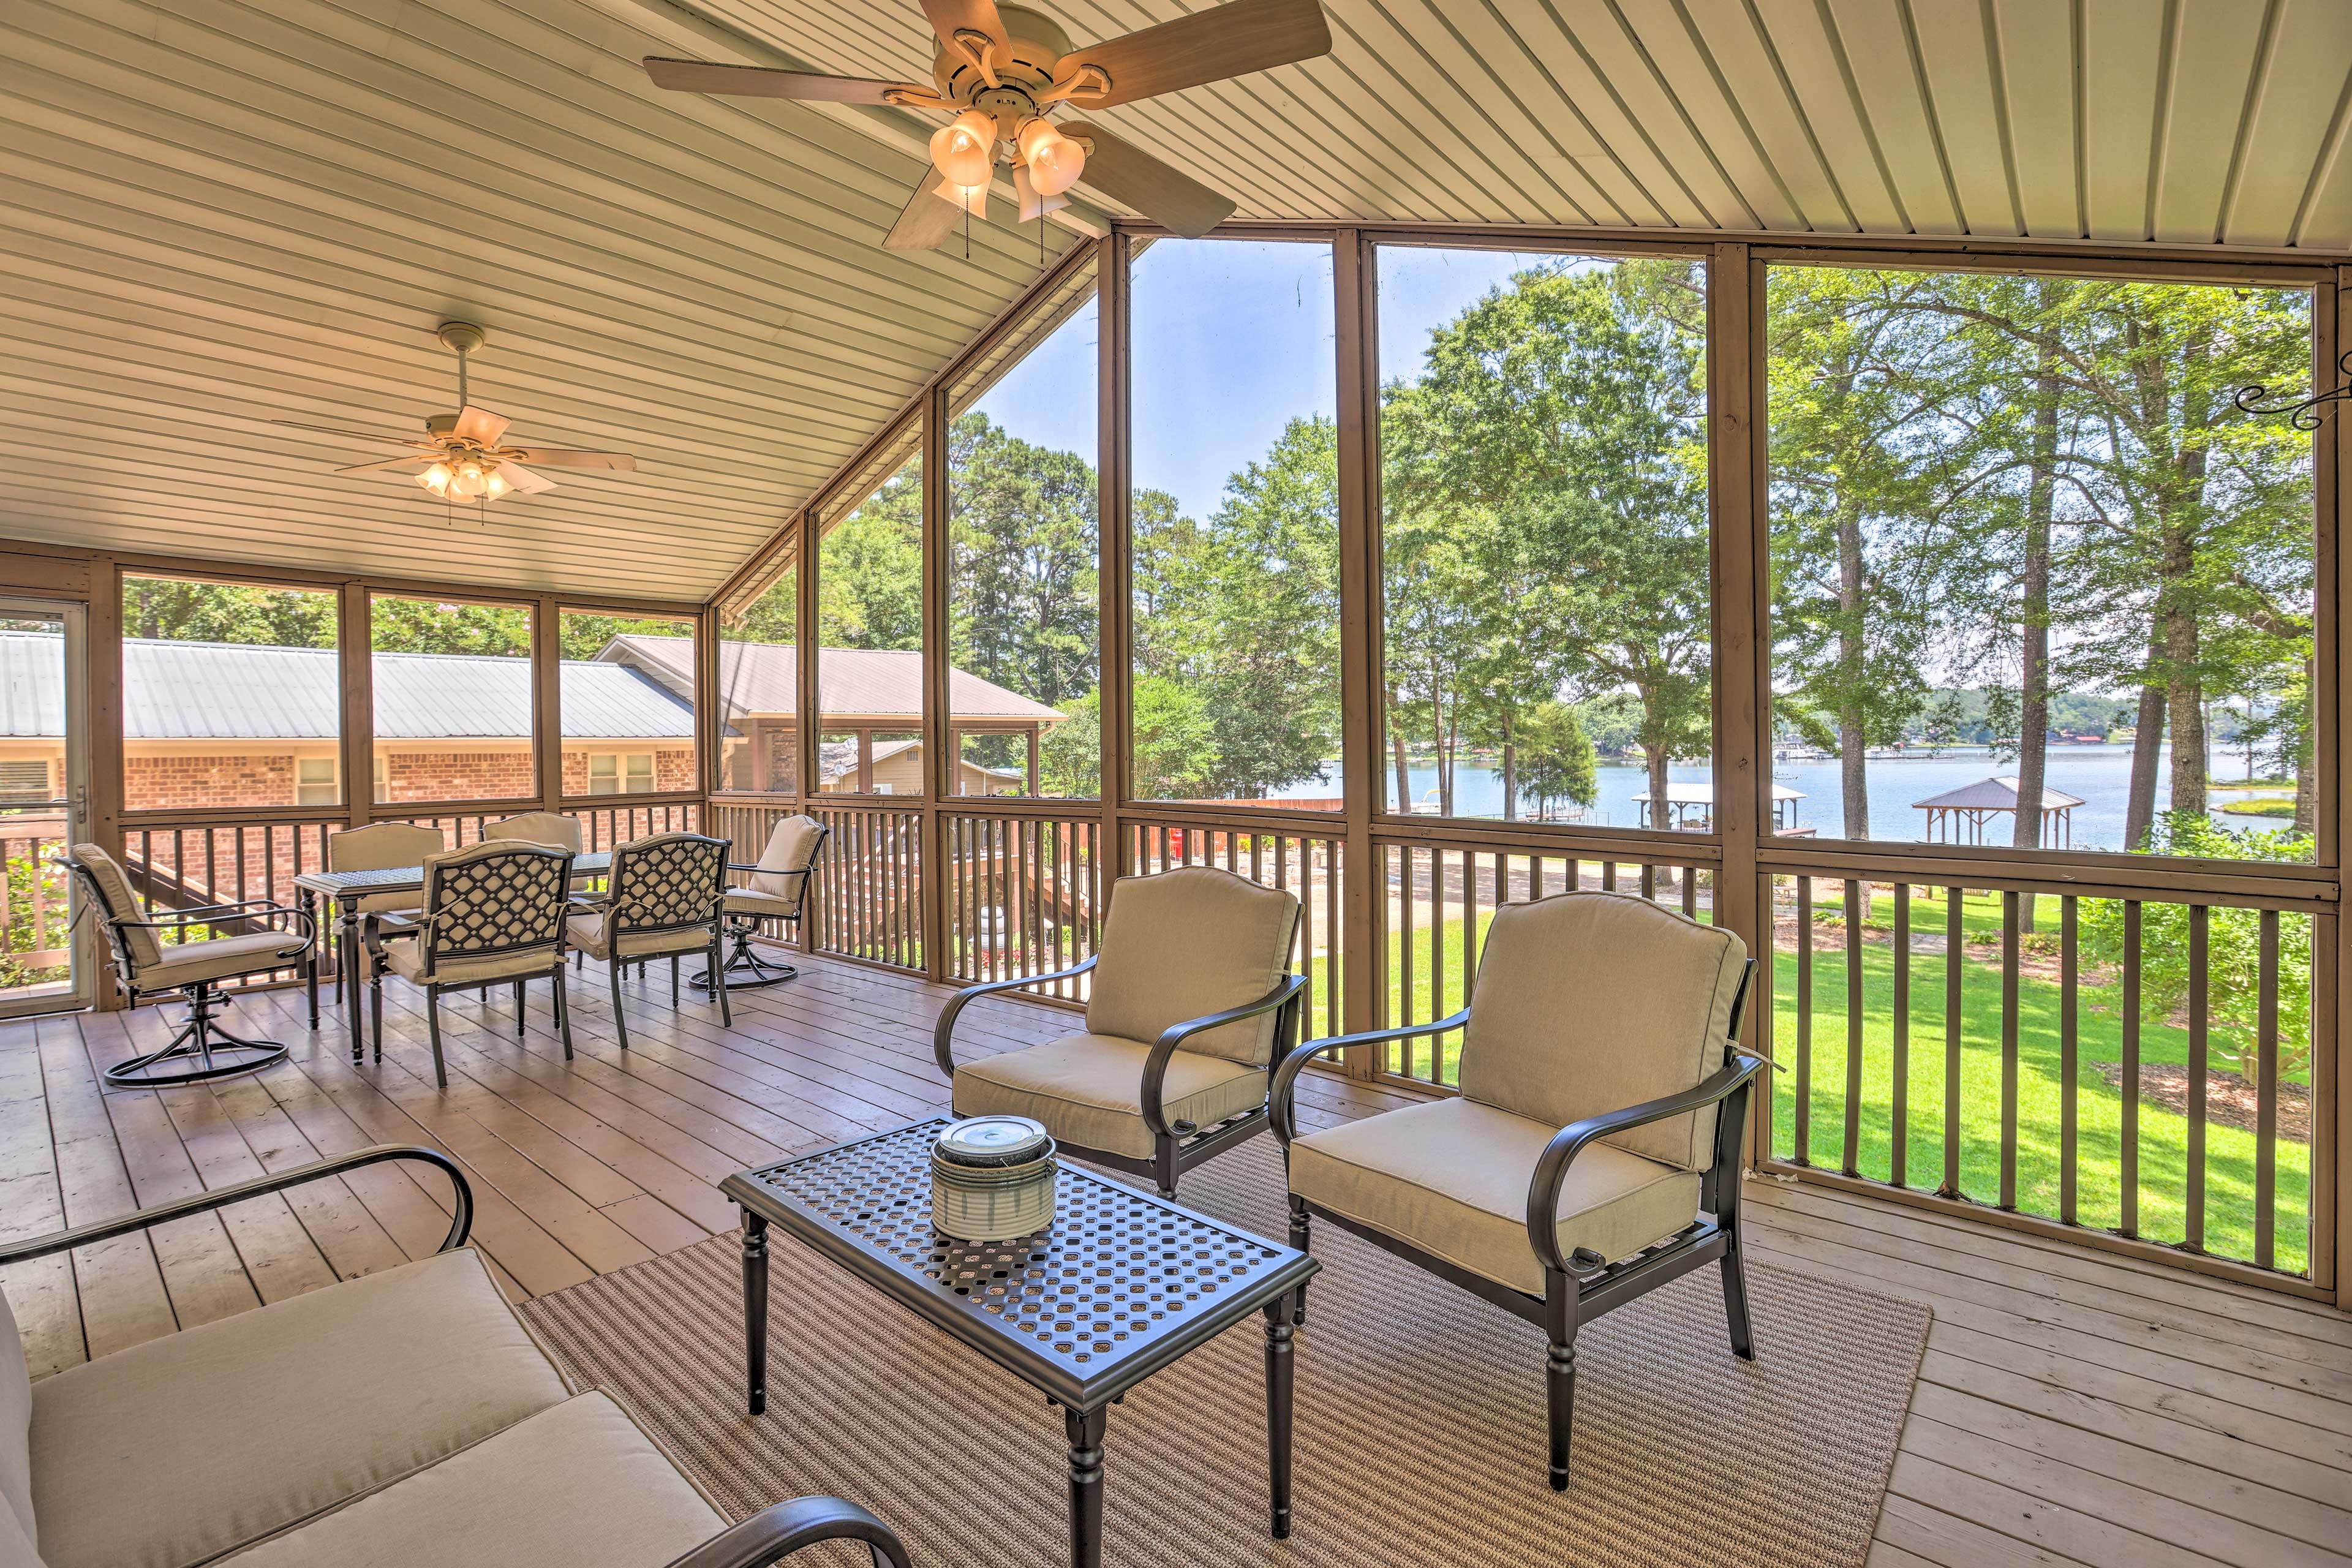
{"x":337,"y":888}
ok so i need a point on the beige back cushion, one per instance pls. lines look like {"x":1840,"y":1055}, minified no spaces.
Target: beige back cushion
{"x":539,"y":827}
{"x":791,"y":848}
{"x":1186,"y":943}
{"x":122,"y":903}
{"x":381,"y":846}
{"x":1588,"y":1002}
{"x":483,"y":912}
{"x":15,"y":1429}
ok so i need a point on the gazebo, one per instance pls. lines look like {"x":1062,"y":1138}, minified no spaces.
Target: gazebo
{"x":1959,"y":815}
{"x":1690,"y":806}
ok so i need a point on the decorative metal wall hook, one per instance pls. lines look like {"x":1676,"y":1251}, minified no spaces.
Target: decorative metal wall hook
{"x":2307,"y":413}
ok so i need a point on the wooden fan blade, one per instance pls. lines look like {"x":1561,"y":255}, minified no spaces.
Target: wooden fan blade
{"x":927,"y":221}
{"x":1209,"y":45}
{"x":357,"y":435}
{"x":759,"y":81}
{"x":391,"y":465}
{"x":948,"y":17}
{"x":480,"y":425}
{"x":569,"y":457}
{"x":1133,"y":177}
{"x":522,"y":480}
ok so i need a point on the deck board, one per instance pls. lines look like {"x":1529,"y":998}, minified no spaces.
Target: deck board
{"x":2074,"y":1406}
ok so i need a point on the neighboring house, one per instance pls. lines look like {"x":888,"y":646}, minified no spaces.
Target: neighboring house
{"x":870,"y":703}
{"x":236,"y":724}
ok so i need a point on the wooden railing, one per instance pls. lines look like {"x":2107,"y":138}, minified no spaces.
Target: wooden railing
{"x":1025,"y":897}
{"x":2140,"y":1068}
{"x":601,"y":826}
{"x":1438,"y":899}
{"x":866,"y":901}
{"x":1309,"y":864}
{"x":35,"y":919}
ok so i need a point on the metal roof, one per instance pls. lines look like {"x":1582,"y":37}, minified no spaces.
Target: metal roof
{"x":205,"y":691}
{"x":1701,"y":793}
{"x":764,"y":678}
{"x":1991,"y":794}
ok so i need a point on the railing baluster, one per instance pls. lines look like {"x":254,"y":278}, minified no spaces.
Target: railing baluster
{"x":2266,"y":1096}
{"x":1802,"y":1135}
{"x":2069,"y":1053}
{"x":1954,"y":941}
{"x":1899,"y":1132}
{"x":2009,"y":967}
{"x":2199,"y":1024}
{"x":1409,"y":1011}
{"x":2127,"y":1130}
{"x":1852,"y":1163}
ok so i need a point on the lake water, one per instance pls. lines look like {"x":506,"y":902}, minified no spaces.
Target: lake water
{"x":2101,"y":775}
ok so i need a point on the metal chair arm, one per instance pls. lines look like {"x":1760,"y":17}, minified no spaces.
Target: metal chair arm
{"x":778,"y":1531}
{"x":203,"y":1203}
{"x":1551,"y":1170}
{"x":1286,"y":1075}
{"x":943,"y":1050}
{"x":221,"y":914}
{"x":1155,"y":1066}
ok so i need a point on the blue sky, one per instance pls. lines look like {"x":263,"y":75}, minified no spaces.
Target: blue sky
{"x":1233,"y":340}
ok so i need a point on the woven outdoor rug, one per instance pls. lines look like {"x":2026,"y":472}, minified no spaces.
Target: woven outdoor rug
{"x":1420,"y":1411}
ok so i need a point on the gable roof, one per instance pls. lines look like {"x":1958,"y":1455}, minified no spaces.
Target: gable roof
{"x":764,"y":678}
{"x":1991,"y":794}
{"x":208,"y":690}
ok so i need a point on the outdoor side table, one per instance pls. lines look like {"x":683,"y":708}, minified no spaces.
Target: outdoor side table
{"x":1121,"y":1284}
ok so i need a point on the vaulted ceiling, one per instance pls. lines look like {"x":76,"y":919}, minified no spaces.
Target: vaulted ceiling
{"x":214,"y":212}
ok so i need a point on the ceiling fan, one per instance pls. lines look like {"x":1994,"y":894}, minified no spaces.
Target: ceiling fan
{"x":1000,"y":70}
{"x":462,"y":459}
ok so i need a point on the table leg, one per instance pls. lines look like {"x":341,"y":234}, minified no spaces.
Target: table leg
{"x":308,"y":902}
{"x":1086,"y":1486}
{"x":755,"y":1309}
{"x":1278,"y":1371}
{"x":349,"y":938}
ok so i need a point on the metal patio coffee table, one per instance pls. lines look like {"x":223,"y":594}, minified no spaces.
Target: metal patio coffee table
{"x":1121,"y":1284}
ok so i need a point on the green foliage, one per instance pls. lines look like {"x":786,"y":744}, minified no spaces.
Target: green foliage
{"x":870,"y":570}
{"x":1023,"y":548}
{"x":1556,"y":758}
{"x":583,"y":635}
{"x":184,"y":610}
{"x":2233,"y":937}
{"x":438,"y":625}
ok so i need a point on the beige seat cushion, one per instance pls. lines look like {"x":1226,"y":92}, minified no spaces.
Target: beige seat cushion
{"x":579,"y":1486}
{"x":1185,"y":943}
{"x":1586,"y":1002}
{"x":122,"y":903}
{"x":589,"y":934}
{"x":178,"y":1449}
{"x":1452,"y":1177}
{"x":767,"y":906}
{"x":16,"y":1437}
{"x":405,"y":957}
{"x":250,"y":953}
{"x":1088,"y":1090}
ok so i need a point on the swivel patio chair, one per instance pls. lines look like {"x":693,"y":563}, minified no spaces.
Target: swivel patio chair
{"x":778,"y":891}
{"x":1190,"y":999}
{"x":379,"y":846}
{"x":144,"y":965}
{"x":1594,"y":1152}
{"x":493,"y":915}
{"x":667,"y":897}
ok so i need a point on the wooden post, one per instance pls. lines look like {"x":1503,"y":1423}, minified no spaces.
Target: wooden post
{"x":1353,"y":273}
{"x":103,"y":652}
{"x":939,"y":733}
{"x":355,"y":644}
{"x":1111,"y":461}
{"x":547,"y":700}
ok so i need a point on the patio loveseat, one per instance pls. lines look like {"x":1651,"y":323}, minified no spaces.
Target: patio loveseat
{"x":404,"y":1418}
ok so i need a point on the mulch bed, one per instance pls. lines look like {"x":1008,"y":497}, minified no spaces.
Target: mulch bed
{"x":2229,"y":1098}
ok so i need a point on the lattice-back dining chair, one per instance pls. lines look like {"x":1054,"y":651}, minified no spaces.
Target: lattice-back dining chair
{"x":1191,"y":1004}
{"x":1594,"y":1152}
{"x":776,"y":890}
{"x":668,"y":894}
{"x":146,"y":965}
{"x":378,"y":847}
{"x":493,"y":915}
{"x":538,"y":827}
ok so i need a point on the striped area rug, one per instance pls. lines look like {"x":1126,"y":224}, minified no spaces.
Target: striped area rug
{"x":1420,"y":1416}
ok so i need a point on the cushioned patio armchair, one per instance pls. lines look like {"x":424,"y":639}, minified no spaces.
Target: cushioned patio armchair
{"x":666,"y":896}
{"x":405,"y":1418}
{"x":146,"y":965}
{"x":1190,"y":1005}
{"x":1594,"y":1151}
{"x":776,"y":888}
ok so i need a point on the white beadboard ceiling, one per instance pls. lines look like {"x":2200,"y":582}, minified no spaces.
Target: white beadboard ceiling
{"x":213,"y":210}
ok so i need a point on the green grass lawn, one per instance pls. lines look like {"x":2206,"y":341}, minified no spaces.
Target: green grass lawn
{"x":2163,"y":1134}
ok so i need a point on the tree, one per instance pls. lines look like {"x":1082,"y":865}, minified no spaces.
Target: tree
{"x":869,"y":579}
{"x":1556,"y":756}
{"x":1023,"y":548}
{"x":1942,"y":727}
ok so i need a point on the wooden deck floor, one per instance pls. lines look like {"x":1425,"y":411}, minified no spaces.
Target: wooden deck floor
{"x":2072,"y":1408}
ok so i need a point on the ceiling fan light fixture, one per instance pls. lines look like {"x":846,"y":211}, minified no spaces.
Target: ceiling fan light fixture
{"x":964,"y":150}
{"x":1054,"y":160}
{"x":494,"y":485}
{"x":471,"y":481}
{"x":1033,"y":203}
{"x":973,"y":199}
{"x":437,"y":479}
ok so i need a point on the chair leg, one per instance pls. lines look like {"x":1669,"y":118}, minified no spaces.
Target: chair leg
{"x":1735,"y":1301}
{"x":1302,"y":1237}
{"x":1559,"y":1368}
{"x":620,"y":1025}
{"x":433,"y":1027}
{"x":562,"y":1012}
{"x":1164,"y":1165}
{"x":673,"y":983}
{"x":726,"y":1013}
{"x":375,"y":1008}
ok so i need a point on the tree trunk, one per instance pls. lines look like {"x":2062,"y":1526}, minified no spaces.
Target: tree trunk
{"x":1444,"y":758}
{"x":2185,"y":714}
{"x":1510,"y":768}
{"x":1662,"y":814}
{"x":2139,"y":806}
{"x":1396,"y":740}
{"x":2306,"y":777}
{"x":2034,"y":696}
{"x":1853,"y":742}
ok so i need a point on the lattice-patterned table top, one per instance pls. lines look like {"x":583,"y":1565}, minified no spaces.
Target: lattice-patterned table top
{"x":1119,"y":1285}
{"x":400,"y":879}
